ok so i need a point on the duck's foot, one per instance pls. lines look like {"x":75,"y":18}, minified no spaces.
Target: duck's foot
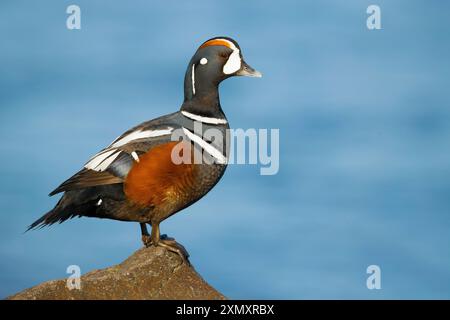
{"x":171,"y":245}
{"x":165,"y":242}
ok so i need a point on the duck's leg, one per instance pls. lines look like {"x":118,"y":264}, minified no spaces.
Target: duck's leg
{"x":146,"y":239}
{"x":168,"y":243}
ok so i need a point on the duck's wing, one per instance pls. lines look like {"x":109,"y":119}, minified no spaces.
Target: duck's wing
{"x":112,"y":164}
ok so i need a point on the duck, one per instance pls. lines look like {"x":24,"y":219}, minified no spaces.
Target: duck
{"x":150,"y":172}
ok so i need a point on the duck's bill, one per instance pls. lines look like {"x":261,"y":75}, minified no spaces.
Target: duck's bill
{"x":248,"y":71}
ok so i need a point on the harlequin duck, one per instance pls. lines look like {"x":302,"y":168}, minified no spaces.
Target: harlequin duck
{"x":136,"y":178}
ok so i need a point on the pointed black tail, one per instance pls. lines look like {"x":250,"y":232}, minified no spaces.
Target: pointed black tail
{"x":57,"y":214}
{"x":82,"y":203}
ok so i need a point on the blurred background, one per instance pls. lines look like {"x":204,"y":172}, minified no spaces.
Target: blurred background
{"x":364,"y":119}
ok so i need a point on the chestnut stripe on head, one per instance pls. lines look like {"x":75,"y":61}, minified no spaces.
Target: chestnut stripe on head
{"x":218,"y":42}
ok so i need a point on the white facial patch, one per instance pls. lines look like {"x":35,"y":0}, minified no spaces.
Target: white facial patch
{"x":203,"y":61}
{"x":234,"y":60}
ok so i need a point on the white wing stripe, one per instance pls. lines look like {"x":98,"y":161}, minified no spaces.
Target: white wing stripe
{"x":102,"y":160}
{"x":135,"y":135}
{"x":221,"y":159}
{"x":105,"y":164}
{"x":98,"y":159}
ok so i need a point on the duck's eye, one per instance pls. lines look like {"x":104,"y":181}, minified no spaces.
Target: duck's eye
{"x":203,"y":61}
{"x":224,"y":55}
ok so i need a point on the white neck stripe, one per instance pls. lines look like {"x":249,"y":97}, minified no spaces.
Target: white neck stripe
{"x":204,"y":119}
{"x":221,"y":159}
{"x":193,"y":79}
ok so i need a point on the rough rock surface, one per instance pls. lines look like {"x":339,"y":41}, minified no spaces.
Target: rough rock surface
{"x":150,"y":273}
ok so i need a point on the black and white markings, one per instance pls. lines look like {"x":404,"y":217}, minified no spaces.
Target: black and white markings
{"x":207,"y":120}
{"x":211,"y":150}
{"x":135,"y":156}
{"x":102,"y":160}
{"x":140,"y":134}
{"x":234,"y":60}
{"x":193,"y":79}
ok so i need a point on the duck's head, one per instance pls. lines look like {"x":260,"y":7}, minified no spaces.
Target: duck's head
{"x":214,"y":61}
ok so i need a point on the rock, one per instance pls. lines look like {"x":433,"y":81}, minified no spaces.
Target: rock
{"x":150,"y":273}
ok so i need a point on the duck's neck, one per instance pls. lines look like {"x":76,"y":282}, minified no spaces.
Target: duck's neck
{"x":201,"y":97}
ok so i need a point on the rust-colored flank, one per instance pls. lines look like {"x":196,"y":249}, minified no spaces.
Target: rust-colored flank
{"x":156,"y":179}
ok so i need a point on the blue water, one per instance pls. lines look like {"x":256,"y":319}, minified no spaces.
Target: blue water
{"x":364,"y":119}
